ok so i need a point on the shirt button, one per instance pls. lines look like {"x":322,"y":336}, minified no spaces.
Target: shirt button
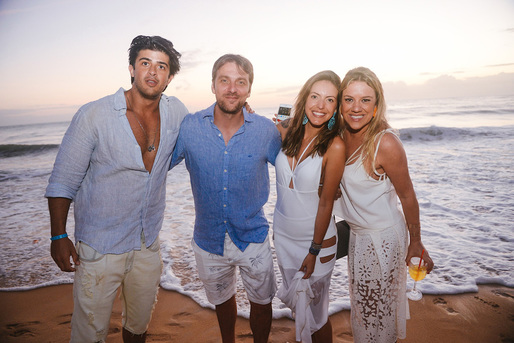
{"x":224,"y":205}
{"x":224,"y":188}
{"x":225,"y":170}
{"x":225,"y":221}
{"x":226,"y":152}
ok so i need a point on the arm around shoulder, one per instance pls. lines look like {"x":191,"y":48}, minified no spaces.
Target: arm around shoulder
{"x":283,"y":127}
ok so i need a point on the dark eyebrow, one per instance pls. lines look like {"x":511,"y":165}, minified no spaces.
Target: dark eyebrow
{"x":149,"y":60}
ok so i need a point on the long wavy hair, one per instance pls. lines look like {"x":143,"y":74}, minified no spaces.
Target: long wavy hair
{"x":293,"y":141}
{"x":379,"y":122}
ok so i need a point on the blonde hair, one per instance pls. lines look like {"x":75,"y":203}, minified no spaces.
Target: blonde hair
{"x":379,"y":121}
{"x":293,"y":140}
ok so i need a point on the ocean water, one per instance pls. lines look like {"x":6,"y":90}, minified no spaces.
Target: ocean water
{"x":461,"y":159}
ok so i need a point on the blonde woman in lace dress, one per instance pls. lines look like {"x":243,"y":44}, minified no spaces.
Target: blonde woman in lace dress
{"x":383,"y":235}
{"x":303,"y":228}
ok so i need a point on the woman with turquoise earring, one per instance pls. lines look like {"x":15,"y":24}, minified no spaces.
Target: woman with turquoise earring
{"x":308,"y":171}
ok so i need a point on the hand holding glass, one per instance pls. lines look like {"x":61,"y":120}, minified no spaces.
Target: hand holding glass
{"x":417,"y":272}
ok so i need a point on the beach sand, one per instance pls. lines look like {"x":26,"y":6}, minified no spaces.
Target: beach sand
{"x":43,"y":315}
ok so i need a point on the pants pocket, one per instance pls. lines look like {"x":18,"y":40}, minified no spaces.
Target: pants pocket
{"x":88,"y":254}
{"x":156,"y":245}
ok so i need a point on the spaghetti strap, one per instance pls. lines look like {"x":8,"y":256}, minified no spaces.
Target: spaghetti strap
{"x":379,"y":138}
{"x":353,"y":157}
{"x":293,"y":166}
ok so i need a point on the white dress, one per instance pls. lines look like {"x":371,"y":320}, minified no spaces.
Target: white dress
{"x":376,"y":255}
{"x":293,"y":230}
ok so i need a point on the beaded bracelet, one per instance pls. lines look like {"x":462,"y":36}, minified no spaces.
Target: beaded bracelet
{"x":54,"y":238}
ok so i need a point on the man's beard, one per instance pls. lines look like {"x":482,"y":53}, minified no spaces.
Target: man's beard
{"x":231,"y":108}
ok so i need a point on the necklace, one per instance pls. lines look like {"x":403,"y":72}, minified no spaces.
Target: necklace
{"x":152,"y":146}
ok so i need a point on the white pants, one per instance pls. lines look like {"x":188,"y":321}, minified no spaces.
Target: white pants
{"x":97,"y":280}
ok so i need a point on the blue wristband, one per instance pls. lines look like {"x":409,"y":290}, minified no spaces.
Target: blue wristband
{"x":54,"y":238}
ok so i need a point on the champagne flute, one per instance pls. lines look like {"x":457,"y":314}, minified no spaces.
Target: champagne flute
{"x":417,"y":271}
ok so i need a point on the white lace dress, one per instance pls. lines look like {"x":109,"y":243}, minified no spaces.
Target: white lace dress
{"x":293,"y":229}
{"x":376,"y":256}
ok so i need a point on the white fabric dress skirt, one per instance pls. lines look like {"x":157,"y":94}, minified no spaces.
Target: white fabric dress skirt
{"x":376,"y":255}
{"x":293,"y":230}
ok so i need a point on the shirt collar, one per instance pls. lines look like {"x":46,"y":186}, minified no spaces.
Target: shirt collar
{"x":120,"y":103}
{"x":209,"y":112}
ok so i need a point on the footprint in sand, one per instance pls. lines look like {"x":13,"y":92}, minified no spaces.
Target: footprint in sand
{"x":490,"y":303}
{"x":66,"y":318}
{"x":444,"y":304}
{"x":280,"y":329}
{"x":494,"y":305}
{"x":245,"y":335}
{"x":179,"y":319}
{"x":21,"y":329}
{"x":501,"y":293}
{"x":159,"y":337}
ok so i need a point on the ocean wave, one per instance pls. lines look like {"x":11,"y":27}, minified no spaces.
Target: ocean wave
{"x":437,"y":133}
{"x":65,"y":281}
{"x":472,"y":110}
{"x":13,"y":150}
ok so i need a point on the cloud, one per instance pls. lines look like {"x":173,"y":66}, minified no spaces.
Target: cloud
{"x":500,"y":65}
{"x":282,"y":91}
{"x":446,"y":86}
{"x":37,"y":114}
{"x":191,"y":59}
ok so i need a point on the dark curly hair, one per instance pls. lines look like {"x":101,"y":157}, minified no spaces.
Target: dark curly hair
{"x":155,"y":43}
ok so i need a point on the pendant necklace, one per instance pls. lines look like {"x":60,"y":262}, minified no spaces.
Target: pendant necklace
{"x":152,"y":146}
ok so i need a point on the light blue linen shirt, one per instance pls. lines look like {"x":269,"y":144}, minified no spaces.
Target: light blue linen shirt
{"x":230,"y":183}
{"x":100,"y":167}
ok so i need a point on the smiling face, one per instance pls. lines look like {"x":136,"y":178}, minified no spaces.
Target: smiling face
{"x":321,"y":103}
{"x":151,"y":73}
{"x":231,"y":87}
{"x":358,"y":105}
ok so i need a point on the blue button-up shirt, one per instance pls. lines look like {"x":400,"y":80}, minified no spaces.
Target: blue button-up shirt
{"x":230,"y":182}
{"x":100,"y":167}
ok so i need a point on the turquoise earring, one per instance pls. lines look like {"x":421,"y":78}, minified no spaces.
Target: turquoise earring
{"x":305,"y":119}
{"x":332,"y":121}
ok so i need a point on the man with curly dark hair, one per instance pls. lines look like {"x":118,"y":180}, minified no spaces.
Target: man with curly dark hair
{"x":112,"y":164}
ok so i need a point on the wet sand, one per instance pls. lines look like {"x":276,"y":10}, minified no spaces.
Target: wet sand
{"x":43,"y":315}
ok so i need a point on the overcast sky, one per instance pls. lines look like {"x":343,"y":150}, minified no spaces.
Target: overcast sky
{"x":58,"y":55}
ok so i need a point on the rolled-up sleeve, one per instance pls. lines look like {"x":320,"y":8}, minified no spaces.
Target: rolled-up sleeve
{"x":274,"y":145}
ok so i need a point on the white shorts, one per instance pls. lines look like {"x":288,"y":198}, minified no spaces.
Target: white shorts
{"x":97,"y":280}
{"x":218,"y":273}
